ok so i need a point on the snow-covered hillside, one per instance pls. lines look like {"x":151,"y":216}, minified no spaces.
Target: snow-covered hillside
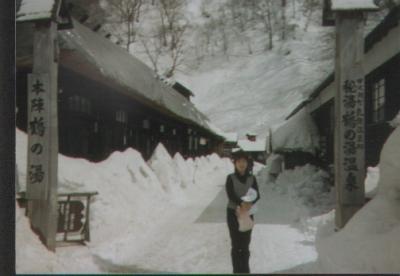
{"x":223,"y":57}
{"x":238,"y":83}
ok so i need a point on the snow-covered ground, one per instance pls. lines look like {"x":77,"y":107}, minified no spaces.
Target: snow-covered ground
{"x":168,"y":215}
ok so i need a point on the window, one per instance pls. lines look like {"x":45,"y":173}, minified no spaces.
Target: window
{"x":121,"y":116}
{"x":378,"y":101}
{"x":80,"y":104}
{"x":146,"y":124}
{"x":190,"y":143}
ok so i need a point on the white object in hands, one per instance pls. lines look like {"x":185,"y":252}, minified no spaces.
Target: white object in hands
{"x":250,"y":196}
{"x":244,"y":220}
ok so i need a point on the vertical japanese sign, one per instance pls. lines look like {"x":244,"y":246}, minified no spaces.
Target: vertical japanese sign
{"x":352,"y":155}
{"x":38,"y":133}
{"x":349,"y":110}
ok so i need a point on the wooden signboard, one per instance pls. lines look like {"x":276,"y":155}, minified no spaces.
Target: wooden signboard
{"x":349,"y":104}
{"x":43,"y":134}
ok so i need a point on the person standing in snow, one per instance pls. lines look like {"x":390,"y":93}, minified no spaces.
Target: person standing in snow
{"x":237,"y":185}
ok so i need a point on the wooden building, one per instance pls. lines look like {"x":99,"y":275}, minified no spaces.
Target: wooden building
{"x":231,"y":142}
{"x":382,"y":86}
{"x":184,"y":91}
{"x":255,"y":146}
{"x":108,"y":100}
{"x":296,"y":141}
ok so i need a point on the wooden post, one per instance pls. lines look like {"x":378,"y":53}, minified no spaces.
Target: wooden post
{"x":43,"y":134}
{"x":349,"y":110}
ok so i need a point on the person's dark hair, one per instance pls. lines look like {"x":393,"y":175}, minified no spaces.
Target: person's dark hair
{"x":240,"y":154}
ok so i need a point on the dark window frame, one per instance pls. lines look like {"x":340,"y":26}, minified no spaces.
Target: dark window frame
{"x":378,"y":100}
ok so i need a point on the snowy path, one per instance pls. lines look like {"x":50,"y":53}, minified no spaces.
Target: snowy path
{"x":197,"y":240}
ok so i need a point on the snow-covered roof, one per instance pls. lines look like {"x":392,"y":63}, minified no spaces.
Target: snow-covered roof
{"x":231,"y":137}
{"x":343,"y":5}
{"x":381,"y":30}
{"x":258,"y":145}
{"x":298,"y":133}
{"x":30,"y":10}
{"x":118,"y":66}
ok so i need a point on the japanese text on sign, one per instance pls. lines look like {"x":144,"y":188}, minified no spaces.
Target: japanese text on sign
{"x":37,"y":130}
{"x":353,"y":134}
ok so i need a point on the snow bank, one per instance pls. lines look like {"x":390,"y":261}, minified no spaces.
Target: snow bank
{"x":257,"y":167}
{"x":274,"y":163}
{"x":135,"y":199}
{"x":298,"y":133}
{"x":185,"y":169}
{"x":370,"y":242}
{"x":308,"y":186}
{"x":396,"y":121}
{"x":371,"y":182}
{"x":163,"y":166}
{"x":32,"y":257}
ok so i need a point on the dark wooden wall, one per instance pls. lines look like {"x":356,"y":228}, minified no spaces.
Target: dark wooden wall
{"x":378,"y":132}
{"x":88,"y":125}
{"x":324,"y":119}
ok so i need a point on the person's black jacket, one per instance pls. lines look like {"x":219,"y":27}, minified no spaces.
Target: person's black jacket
{"x":242,"y":178}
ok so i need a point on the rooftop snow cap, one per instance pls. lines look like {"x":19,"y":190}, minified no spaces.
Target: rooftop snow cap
{"x":239,"y":155}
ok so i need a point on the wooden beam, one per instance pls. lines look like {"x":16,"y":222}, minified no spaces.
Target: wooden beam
{"x":349,"y":110}
{"x":43,"y":134}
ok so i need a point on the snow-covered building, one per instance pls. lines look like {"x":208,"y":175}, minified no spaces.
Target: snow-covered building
{"x":254,"y":146}
{"x":108,"y":100}
{"x":296,"y":141}
{"x":231,"y":142}
{"x":382,"y":92}
{"x":183,"y":90}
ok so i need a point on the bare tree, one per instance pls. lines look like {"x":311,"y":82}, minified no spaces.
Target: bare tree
{"x":128,"y":14}
{"x":153,"y":49}
{"x":171,"y":12}
{"x":176,"y":52}
{"x":283,"y":19}
{"x":264,"y":13}
{"x":309,"y":6}
{"x":170,"y":33}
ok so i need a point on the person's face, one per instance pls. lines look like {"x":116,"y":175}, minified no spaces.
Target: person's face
{"x":241,"y":165}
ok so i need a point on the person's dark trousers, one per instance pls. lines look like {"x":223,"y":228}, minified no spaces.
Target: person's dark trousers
{"x":240,"y":242}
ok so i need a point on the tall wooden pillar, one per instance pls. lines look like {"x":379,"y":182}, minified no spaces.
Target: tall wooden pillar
{"x":43,"y":133}
{"x":349,"y":110}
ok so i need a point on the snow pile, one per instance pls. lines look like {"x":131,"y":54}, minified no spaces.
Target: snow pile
{"x":370,"y":242}
{"x":32,"y":257}
{"x":257,"y":167}
{"x":21,"y":149}
{"x":298,"y":133}
{"x":371,"y":182}
{"x":185,"y":169}
{"x":131,"y":198}
{"x":396,"y":121}
{"x":163,"y":166}
{"x":308,"y":186}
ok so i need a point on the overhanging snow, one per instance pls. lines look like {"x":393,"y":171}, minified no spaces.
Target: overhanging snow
{"x":343,"y":5}
{"x":35,"y":10}
{"x":298,"y":133}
